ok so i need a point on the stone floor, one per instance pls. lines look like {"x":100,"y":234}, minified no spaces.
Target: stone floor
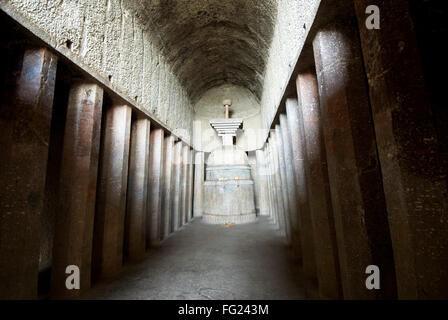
{"x":211,"y":262}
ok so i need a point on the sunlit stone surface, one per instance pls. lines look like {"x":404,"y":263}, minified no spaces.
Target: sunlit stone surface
{"x":229,"y":189}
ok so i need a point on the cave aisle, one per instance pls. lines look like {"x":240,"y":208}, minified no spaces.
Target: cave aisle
{"x":211,"y":262}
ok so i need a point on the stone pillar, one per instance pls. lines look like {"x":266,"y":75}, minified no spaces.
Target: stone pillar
{"x":413,"y":177}
{"x":167,"y":186}
{"x":52,"y":182}
{"x":25,"y":120}
{"x":272,"y":206}
{"x":155,"y":188}
{"x":281,"y":186}
{"x":308,"y":118}
{"x":298,"y":240}
{"x":199,"y":169}
{"x":284,"y":183}
{"x":187,"y":185}
{"x":176,"y":186}
{"x":137,"y":204}
{"x":184,"y":177}
{"x":190,"y":184}
{"x":111,"y":200}
{"x":277,"y":200}
{"x":262,"y":173}
{"x":252,"y":157}
{"x":295,"y":131}
{"x":73,"y":238}
{"x":354,"y":174}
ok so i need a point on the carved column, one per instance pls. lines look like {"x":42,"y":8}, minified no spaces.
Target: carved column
{"x":184,"y":178}
{"x":190,"y":185}
{"x":199,"y":170}
{"x":277,"y":200}
{"x":137,"y":204}
{"x":272,"y":204}
{"x":295,"y":131}
{"x":25,"y":119}
{"x":73,"y":239}
{"x":281,"y":187}
{"x":177,"y":186}
{"x":262,"y":173}
{"x":298,"y":239}
{"x":111,"y":199}
{"x":155,"y":188}
{"x":307,"y":117}
{"x":167,"y":186}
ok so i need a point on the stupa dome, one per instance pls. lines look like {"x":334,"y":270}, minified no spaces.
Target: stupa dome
{"x":227,"y":155}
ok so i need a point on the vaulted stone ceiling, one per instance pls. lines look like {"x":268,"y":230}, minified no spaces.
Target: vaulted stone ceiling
{"x":211,"y":42}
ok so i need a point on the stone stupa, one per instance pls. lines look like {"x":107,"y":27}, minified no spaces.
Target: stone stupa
{"x":229,"y":189}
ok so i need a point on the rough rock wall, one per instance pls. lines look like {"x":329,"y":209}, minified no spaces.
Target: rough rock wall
{"x":294,"y":20}
{"x":212,"y":42}
{"x":107,"y":39}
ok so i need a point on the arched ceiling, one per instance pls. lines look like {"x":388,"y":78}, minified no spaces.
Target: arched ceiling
{"x":211,"y":42}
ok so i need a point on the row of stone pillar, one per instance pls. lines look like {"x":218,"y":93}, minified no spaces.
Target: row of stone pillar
{"x":355,"y":170}
{"x":122,"y":186}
